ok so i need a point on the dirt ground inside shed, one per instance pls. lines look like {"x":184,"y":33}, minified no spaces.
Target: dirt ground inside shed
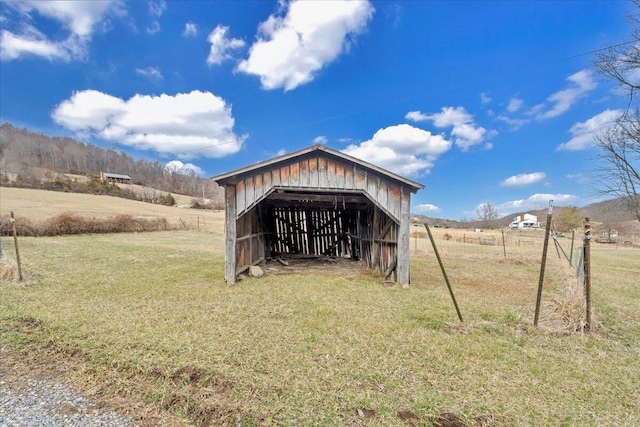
{"x":320,"y":266}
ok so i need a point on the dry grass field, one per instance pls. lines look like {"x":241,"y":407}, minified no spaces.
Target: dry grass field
{"x":37,"y":205}
{"x":145,"y":322}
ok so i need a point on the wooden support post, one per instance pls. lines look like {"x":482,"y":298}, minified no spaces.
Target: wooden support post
{"x":544,"y":261}
{"x":375,"y":246}
{"x":504,"y":247}
{"x":404,"y":268}
{"x":230,"y":213}
{"x":587,"y":269}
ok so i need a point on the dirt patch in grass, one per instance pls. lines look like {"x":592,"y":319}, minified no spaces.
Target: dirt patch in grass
{"x":448,"y":419}
{"x":203,"y":397}
{"x":409,"y":418}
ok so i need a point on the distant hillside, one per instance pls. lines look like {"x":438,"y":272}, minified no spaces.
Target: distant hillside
{"x":35,"y":157}
{"x":609,"y":214}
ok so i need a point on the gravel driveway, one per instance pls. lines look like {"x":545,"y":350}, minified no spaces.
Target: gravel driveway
{"x":35,"y":402}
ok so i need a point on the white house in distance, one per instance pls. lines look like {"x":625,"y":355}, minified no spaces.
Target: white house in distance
{"x":525,"y":220}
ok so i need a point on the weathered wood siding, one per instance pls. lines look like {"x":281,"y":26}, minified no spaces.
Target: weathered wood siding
{"x":319,"y":170}
{"x":378,"y":237}
{"x":371,"y":223}
{"x":251,"y":239}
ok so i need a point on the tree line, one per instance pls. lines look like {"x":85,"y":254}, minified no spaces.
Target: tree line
{"x":33,"y":155}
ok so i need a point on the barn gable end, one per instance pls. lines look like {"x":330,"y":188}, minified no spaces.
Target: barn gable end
{"x":317,"y":201}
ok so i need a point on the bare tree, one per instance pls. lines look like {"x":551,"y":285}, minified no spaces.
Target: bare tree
{"x":487,"y":213}
{"x":619,"y":172}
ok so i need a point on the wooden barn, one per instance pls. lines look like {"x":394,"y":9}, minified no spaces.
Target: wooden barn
{"x":317,"y":201}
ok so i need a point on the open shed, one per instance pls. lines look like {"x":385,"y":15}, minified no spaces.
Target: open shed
{"x":317,"y":201}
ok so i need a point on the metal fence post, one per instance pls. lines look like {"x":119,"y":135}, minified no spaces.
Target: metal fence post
{"x":444,"y":273}
{"x":587,"y":269}
{"x":544,"y":261}
{"x":15,"y":241}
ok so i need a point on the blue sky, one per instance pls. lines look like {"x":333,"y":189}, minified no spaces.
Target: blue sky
{"x":478,"y":100}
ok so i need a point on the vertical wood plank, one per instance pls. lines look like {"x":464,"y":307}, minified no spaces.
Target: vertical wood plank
{"x":259,"y":189}
{"x":275,"y":174}
{"x":294,"y":173}
{"x":381,"y":195}
{"x":240,"y":196}
{"x":403,"y":268}
{"x":340,"y":175}
{"x":284,"y":175}
{"x":249,"y":191}
{"x":230,"y":234}
{"x":394,"y":199}
{"x":322,"y":172}
{"x":348,"y":177}
{"x":372,"y":184}
{"x":266,"y":182}
{"x":360,"y":179}
{"x":313,"y":172}
{"x":331,"y":173}
{"x":304,"y":173}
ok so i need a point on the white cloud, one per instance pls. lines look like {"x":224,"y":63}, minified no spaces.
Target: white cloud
{"x":514,"y":123}
{"x":187,"y":125}
{"x":77,"y":21}
{"x":485,"y":98}
{"x":281,"y":152}
{"x":403,"y":149}
{"x":536,"y":201}
{"x":220,"y":45}
{"x":523,"y":179}
{"x":514,"y":105}
{"x":190,"y":30}
{"x":427,"y":207}
{"x":320,"y":139}
{"x":151,"y":73}
{"x":291,"y":49}
{"x":581,"y":83}
{"x":580,"y":178}
{"x":464,"y":130}
{"x":184,"y":168}
{"x":416,"y":116}
{"x":584,"y":132}
{"x":155,"y":11}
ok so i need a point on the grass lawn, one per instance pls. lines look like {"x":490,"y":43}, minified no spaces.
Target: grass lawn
{"x":146,"y":318}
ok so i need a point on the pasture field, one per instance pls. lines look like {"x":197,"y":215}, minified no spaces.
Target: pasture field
{"x":146,"y":321}
{"x":37,"y":205}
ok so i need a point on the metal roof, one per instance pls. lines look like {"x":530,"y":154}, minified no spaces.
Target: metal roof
{"x":116,"y":176}
{"x":227,"y":178}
